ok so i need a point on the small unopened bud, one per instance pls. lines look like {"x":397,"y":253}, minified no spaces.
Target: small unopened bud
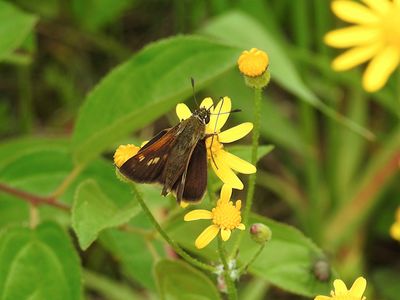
{"x":322,"y":269}
{"x":260,"y":233}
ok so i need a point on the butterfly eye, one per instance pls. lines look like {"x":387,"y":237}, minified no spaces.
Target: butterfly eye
{"x":207,"y":118}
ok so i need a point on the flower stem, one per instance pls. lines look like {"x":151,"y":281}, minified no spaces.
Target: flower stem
{"x":232,"y":293}
{"x":252,"y":177}
{"x":254,"y":152}
{"x":243,"y":269}
{"x":172,"y":243}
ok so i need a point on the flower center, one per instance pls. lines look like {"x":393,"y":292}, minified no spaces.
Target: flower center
{"x":391,"y":26}
{"x":226,"y":215}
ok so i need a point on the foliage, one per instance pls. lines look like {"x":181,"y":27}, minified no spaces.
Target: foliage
{"x":82,"y":77}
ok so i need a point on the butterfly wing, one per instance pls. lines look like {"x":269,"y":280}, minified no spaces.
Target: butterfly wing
{"x":148,"y":164}
{"x":193,"y":182}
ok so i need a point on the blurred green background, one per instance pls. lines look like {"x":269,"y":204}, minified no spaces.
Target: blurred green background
{"x":334,"y":170}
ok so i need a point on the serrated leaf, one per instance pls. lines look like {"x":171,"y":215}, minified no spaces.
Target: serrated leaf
{"x":93,"y":212}
{"x":15,"y":26}
{"x":146,"y":86}
{"x":38,"y":264}
{"x":132,"y":250}
{"x":234,"y":28}
{"x":177,"y":280}
{"x":287,"y":260}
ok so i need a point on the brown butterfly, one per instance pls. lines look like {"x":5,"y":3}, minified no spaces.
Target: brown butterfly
{"x":175,"y":158}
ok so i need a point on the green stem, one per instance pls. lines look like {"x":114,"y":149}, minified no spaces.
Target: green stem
{"x":232,"y":293}
{"x":172,"y":243}
{"x":254,"y":151}
{"x":252,"y":177}
{"x":244,"y":268}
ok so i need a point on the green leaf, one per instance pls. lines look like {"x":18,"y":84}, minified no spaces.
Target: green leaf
{"x":145,"y":87}
{"x":38,"y":264}
{"x":132,"y":250}
{"x":244,"y":151}
{"x":93,"y":212}
{"x":177,"y":280}
{"x":278,"y":127}
{"x":95,"y":14}
{"x":286,"y":261}
{"x":15,"y":26}
{"x":235,"y":27}
{"x":387,"y":283}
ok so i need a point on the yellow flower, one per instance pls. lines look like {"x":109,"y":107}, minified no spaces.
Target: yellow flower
{"x":253,"y":63}
{"x":341,"y":293}
{"x":375,"y":36}
{"x":395,"y":228}
{"x":222,"y":162}
{"x":123,"y":153}
{"x":225,"y":217}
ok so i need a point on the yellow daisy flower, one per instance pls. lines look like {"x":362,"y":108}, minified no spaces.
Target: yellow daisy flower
{"x":341,"y":293}
{"x":123,"y":153}
{"x":253,"y":63}
{"x":374,"y":36}
{"x":222,"y":162}
{"x":225,"y":217}
{"x":395,"y":228}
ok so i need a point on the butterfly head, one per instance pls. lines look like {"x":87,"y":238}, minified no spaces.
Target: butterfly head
{"x":203,"y":114}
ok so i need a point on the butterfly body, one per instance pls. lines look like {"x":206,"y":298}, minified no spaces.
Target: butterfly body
{"x":175,"y":158}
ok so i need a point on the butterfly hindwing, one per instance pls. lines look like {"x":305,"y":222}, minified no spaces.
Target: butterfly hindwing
{"x":192,"y":185}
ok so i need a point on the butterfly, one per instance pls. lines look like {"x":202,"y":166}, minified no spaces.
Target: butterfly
{"x":176,"y":158}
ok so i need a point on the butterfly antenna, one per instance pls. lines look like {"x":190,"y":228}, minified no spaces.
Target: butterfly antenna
{"x":215,"y":131}
{"x":193,"y":90}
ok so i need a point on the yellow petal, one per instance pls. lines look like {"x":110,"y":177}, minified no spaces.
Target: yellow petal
{"x":237,"y":163}
{"x":206,"y":236}
{"x":353,"y":12}
{"x":238,"y":204}
{"x":183,"y":111}
{"x":235,"y":133}
{"x":241,"y":226}
{"x":395,"y":231}
{"x":340,"y":287}
{"x":380,"y":68}
{"x":351,"y":36}
{"x":225,"y":234}
{"x":184,"y":204}
{"x":207,"y":103}
{"x":380,"y":6}
{"x":220,"y":113}
{"x":226,"y":174}
{"x":198,"y":214}
{"x":226,"y":193}
{"x":397,"y":2}
{"x":355,"y":56}
{"x":358,"y":287}
{"x":322,"y":298}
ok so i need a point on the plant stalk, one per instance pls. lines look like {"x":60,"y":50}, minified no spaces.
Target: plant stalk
{"x":171,"y":242}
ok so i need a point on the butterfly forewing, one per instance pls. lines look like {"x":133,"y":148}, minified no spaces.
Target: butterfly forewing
{"x":148,"y":164}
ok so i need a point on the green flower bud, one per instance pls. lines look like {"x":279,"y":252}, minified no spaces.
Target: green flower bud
{"x":260,"y":233}
{"x":259,"y":81}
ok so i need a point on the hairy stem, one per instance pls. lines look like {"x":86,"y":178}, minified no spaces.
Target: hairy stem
{"x":232,"y":293}
{"x":171,"y":242}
